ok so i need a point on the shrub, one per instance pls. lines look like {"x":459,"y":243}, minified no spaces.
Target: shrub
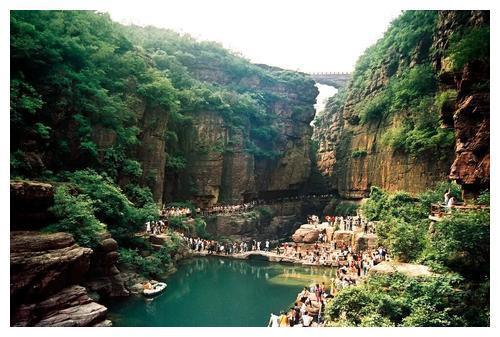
{"x":358,"y":153}
{"x":346,"y":208}
{"x":132,"y":168}
{"x":265,"y":213}
{"x":462,"y":242}
{"x":445,"y":99}
{"x":201,"y":228}
{"x":374,"y":108}
{"x":156,"y":264}
{"x":404,"y":301}
{"x":75,"y":215}
{"x":484,"y":198}
{"x":111,"y":205}
{"x":471,"y":44}
{"x":43,"y":131}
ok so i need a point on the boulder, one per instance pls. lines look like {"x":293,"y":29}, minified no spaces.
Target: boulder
{"x":409,"y":269}
{"x":365,"y":242}
{"x":29,"y":203}
{"x":342,"y":237}
{"x":299,"y":234}
{"x":311,"y":236}
{"x":109,"y":245}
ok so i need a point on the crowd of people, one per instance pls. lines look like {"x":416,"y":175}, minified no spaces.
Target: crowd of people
{"x":340,"y":255}
{"x":229,"y":209}
{"x":156,"y":227}
{"x":227,"y":247}
{"x":347,"y":223}
{"x":308,"y":310}
{"x":174,"y":211}
{"x":169,"y":212}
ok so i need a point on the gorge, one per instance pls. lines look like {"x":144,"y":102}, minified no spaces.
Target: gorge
{"x":111,"y":123}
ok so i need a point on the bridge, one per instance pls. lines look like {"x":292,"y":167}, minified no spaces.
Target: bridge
{"x":335,"y":79}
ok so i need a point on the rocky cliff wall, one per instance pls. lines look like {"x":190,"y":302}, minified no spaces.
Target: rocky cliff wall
{"x":274,"y":221}
{"x":377,"y":164}
{"x":353,"y":156}
{"x":221,"y":168}
{"x":45,"y":272}
{"x":469,"y":112}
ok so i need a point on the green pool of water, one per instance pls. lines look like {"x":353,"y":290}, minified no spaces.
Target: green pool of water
{"x":214,"y":291}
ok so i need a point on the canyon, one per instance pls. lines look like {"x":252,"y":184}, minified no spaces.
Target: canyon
{"x":198,"y":124}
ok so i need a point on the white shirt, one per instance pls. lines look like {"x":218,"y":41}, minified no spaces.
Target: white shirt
{"x":274,"y":321}
{"x":307,"y":320}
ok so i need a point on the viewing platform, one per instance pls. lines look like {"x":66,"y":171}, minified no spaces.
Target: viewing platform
{"x":440,"y":211}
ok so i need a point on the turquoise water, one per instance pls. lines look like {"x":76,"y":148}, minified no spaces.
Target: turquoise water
{"x":212,"y":291}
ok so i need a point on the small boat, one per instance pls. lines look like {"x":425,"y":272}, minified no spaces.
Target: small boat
{"x":156,"y":289}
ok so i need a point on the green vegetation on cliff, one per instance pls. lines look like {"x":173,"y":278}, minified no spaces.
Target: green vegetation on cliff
{"x":411,"y":88}
{"x":436,"y":301}
{"x":110,"y":111}
{"x":457,"y":248}
{"x":73,"y":74}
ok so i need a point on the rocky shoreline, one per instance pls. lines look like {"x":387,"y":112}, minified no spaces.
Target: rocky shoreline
{"x":47,"y":271}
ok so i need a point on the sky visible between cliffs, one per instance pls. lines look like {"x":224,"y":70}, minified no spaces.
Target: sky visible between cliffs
{"x":310,"y":36}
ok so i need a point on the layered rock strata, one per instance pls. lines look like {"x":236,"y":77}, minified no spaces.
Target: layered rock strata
{"x":45,"y":272}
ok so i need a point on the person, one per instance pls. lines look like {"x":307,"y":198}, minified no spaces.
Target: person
{"x":273,"y":321}
{"x":304,"y":294}
{"x":147,"y":286}
{"x":291,"y":317}
{"x":447,"y":197}
{"x":321,"y":312}
{"x":306,"y":319}
{"x":283,"y":320}
{"x":450,"y":204}
{"x":317,"y":292}
{"x":267,"y":245}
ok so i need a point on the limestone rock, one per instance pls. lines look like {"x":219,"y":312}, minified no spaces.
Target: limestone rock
{"x":104,"y":277}
{"x":409,"y":269}
{"x":109,"y":245}
{"x":340,"y":134}
{"x":311,"y":236}
{"x":29,"y":203}
{"x":225,"y":171}
{"x":69,"y":307}
{"x":343,"y":237}
{"x":299,"y":234}
{"x":42,"y":264}
{"x":365,"y":242}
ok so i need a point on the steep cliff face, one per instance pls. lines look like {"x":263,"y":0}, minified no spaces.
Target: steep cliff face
{"x":220,"y":165}
{"x":273,"y":221}
{"x":469,"y":112}
{"x":150,"y":151}
{"x":376,"y":133}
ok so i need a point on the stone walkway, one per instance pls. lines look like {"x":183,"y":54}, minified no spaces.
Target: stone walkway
{"x":269,"y":256}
